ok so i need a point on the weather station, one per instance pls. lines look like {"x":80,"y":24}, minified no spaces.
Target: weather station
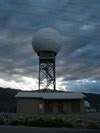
{"x":47,"y":43}
{"x":47,"y":99}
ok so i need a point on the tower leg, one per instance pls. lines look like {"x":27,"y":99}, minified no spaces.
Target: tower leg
{"x":47,"y":74}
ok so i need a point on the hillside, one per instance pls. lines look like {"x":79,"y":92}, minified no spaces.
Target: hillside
{"x":8,"y":101}
{"x":94,"y":100}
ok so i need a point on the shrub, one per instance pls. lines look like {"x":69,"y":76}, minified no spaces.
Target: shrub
{"x":54,"y":123}
{"x":1,"y":121}
{"x":46,"y":123}
{"x":39,"y":123}
{"x":15,"y":122}
{"x":68,"y":124}
{"x":92,"y":125}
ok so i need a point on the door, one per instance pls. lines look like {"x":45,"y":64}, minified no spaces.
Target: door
{"x":48,"y":107}
{"x":60,"y":107}
{"x":75,"y":106}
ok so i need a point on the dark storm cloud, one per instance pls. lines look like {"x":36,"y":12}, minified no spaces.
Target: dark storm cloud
{"x":83,"y":86}
{"x":77,"y":21}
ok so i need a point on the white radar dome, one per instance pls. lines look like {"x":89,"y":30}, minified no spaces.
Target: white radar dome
{"x":86,"y":104}
{"x":46,"y":40}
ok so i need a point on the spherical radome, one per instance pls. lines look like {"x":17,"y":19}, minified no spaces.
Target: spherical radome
{"x":86,"y":104}
{"x":46,"y":39}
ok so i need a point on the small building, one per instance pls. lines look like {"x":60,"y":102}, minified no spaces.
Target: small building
{"x":49,"y":102}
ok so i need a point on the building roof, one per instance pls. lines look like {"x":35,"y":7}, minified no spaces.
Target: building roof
{"x":50,"y":95}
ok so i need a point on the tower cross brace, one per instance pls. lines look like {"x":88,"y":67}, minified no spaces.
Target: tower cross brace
{"x":47,"y":72}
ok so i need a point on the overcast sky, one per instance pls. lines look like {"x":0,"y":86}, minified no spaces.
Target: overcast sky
{"x":78,"y":62}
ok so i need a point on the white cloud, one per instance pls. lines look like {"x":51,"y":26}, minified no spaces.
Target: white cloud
{"x":24,"y":84}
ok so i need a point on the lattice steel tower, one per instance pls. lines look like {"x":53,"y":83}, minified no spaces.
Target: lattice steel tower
{"x":47,"y":43}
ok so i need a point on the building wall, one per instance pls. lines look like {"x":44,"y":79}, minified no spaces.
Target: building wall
{"x":67,"y":107}
{"x":82,"y":108}
{"x":40,"y":106}
{"x":31,"y":106}
{"x":58,"y":106}
{"x":63,"y":106}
